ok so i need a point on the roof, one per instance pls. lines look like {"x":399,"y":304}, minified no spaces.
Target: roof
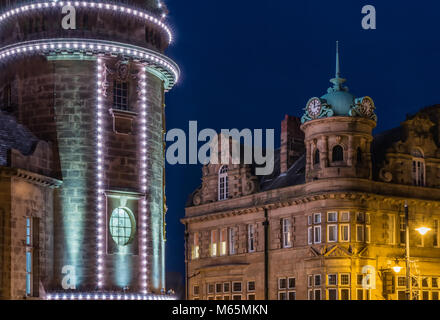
{"x":14,"y":136}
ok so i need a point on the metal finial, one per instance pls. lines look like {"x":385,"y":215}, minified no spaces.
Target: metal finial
{"x":338,"y":72}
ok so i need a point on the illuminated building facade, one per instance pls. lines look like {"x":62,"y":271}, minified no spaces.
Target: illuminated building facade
{"x":329,"y":222}
{"x":82,"y":154}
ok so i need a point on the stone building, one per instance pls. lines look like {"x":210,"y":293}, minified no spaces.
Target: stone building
{"x":82,"y":204}
{"x":329,"y":222}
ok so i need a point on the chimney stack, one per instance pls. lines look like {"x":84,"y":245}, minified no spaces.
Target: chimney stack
{"x":292,"y":142}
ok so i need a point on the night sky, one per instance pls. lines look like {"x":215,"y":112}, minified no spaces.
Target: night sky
{"x":245,"y":64}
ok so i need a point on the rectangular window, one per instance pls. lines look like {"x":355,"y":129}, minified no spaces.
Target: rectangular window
{"x":401,"y":281}
{"x":211,"y":288}
{"x":251,"y":296}
{"x":332,"y":279}
{"x":251,"y":238}
{"x":292,"y":295}
{"x":226,"y":297}
{"x":345,"y":279}
{"x":360,"y":217}
{"x":196,"y":290}
{"x":236,"y":286}
{"x":236,"y":297}
{"x":218,"y":288}
{"x":251,"y":286}
{"x":401,"y":295}
{"x":31,"y":256}
{"x":309,"y":235}
{"x":317,"y":280}
{"x":367,"y":218}
{"x":332,"y":233}
{"x":317,"y":233}
{"x":345,"y":216}
{"x":360,"y":294}
{"x":359,"y":279}
{"x":226,"y":287}
{"x":435,"y":282}
{"x":425,"y":295}
{"x":309,"y":220}
{"x":292,"y":283}
{"x":435,"y":295}
{"x":286,"y":233}
{"x":360,"y":233}
{"x":425,"y":282}
{"x":213,"y":243}
{"x":310,"y":294}
{"x":345,"y":232}
{"x":317,"y":294}
{"x":282,"y":283}
{"x":332,"y":216}
{"x":332,"y":294}
{"x":391,"y":229}
{"x":196,"y":247}
{"x":435,"y":233}
{"x":345,"y":294}
{"x":402,"y":230}
{"x":282,"y":296}
{"x":223,"y":236}
{"x":310,"y":280}
{"x":367,"y":234}
{"x":120,"y":95}
{"x":317,"y":218}
{"x":231,"y":241}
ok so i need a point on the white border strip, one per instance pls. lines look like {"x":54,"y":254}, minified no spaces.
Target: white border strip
{"x":86,"y":4}
{"x":165,"y":66}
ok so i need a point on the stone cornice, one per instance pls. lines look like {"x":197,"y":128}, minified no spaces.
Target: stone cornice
{"x":34,"y":178}
{"x":324,"y":189}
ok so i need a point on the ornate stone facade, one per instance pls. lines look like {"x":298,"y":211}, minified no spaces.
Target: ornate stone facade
{"x":332,"y":225}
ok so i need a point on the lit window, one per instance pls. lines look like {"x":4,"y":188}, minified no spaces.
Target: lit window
{"x":223,"y":183}
{"x":359,"y":233}
{"x":286,"y":233}
{"x":213,"y":243}
{"x":418,"y":168}
{"x":223,"y":236}
{"x":345,"y":279}
{"x":332,"y":233}
{"x":345,"y":232}
{"x":122,"y":226}
{"x":196,"y":247}
{"x":337,"y":154}
{"x":120,"y":95}
{"x":332,"y":279}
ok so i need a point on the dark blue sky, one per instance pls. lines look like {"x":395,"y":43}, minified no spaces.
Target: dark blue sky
{"x":245,"y":64}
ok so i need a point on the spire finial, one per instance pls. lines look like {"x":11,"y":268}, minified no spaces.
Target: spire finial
{"x":338,"y":72}
{"x":337,"y":80}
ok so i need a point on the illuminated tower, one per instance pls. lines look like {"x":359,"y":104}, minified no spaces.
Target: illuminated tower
{"x":95,"y":90}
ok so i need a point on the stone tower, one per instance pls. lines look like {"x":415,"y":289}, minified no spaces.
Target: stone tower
{"x":93,"y":87}
{"x":338,"y":133}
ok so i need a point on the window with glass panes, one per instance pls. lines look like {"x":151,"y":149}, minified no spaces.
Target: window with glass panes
{"x":120,"y":95}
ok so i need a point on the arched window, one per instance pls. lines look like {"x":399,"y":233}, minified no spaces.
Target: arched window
{"x":223,"y":184}
{"x":418,"y":168}
{"x":359,"y":156}
{"x":316,"y":158}
{"x":337,"y":154}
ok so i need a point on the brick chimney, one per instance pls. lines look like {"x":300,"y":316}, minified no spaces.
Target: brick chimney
{"x":292,"y":142}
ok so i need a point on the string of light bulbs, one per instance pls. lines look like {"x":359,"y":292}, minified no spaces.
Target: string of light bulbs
{"x":139,"y":13}
{"x":165,"y":66}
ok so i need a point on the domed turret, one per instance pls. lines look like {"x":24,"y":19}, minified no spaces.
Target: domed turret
{"x":338,"y":129}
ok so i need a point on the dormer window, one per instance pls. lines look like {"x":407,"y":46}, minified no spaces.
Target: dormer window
{"x":418,"y":168}
{"x":223,"y":183}
{"x":337,"y":154}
